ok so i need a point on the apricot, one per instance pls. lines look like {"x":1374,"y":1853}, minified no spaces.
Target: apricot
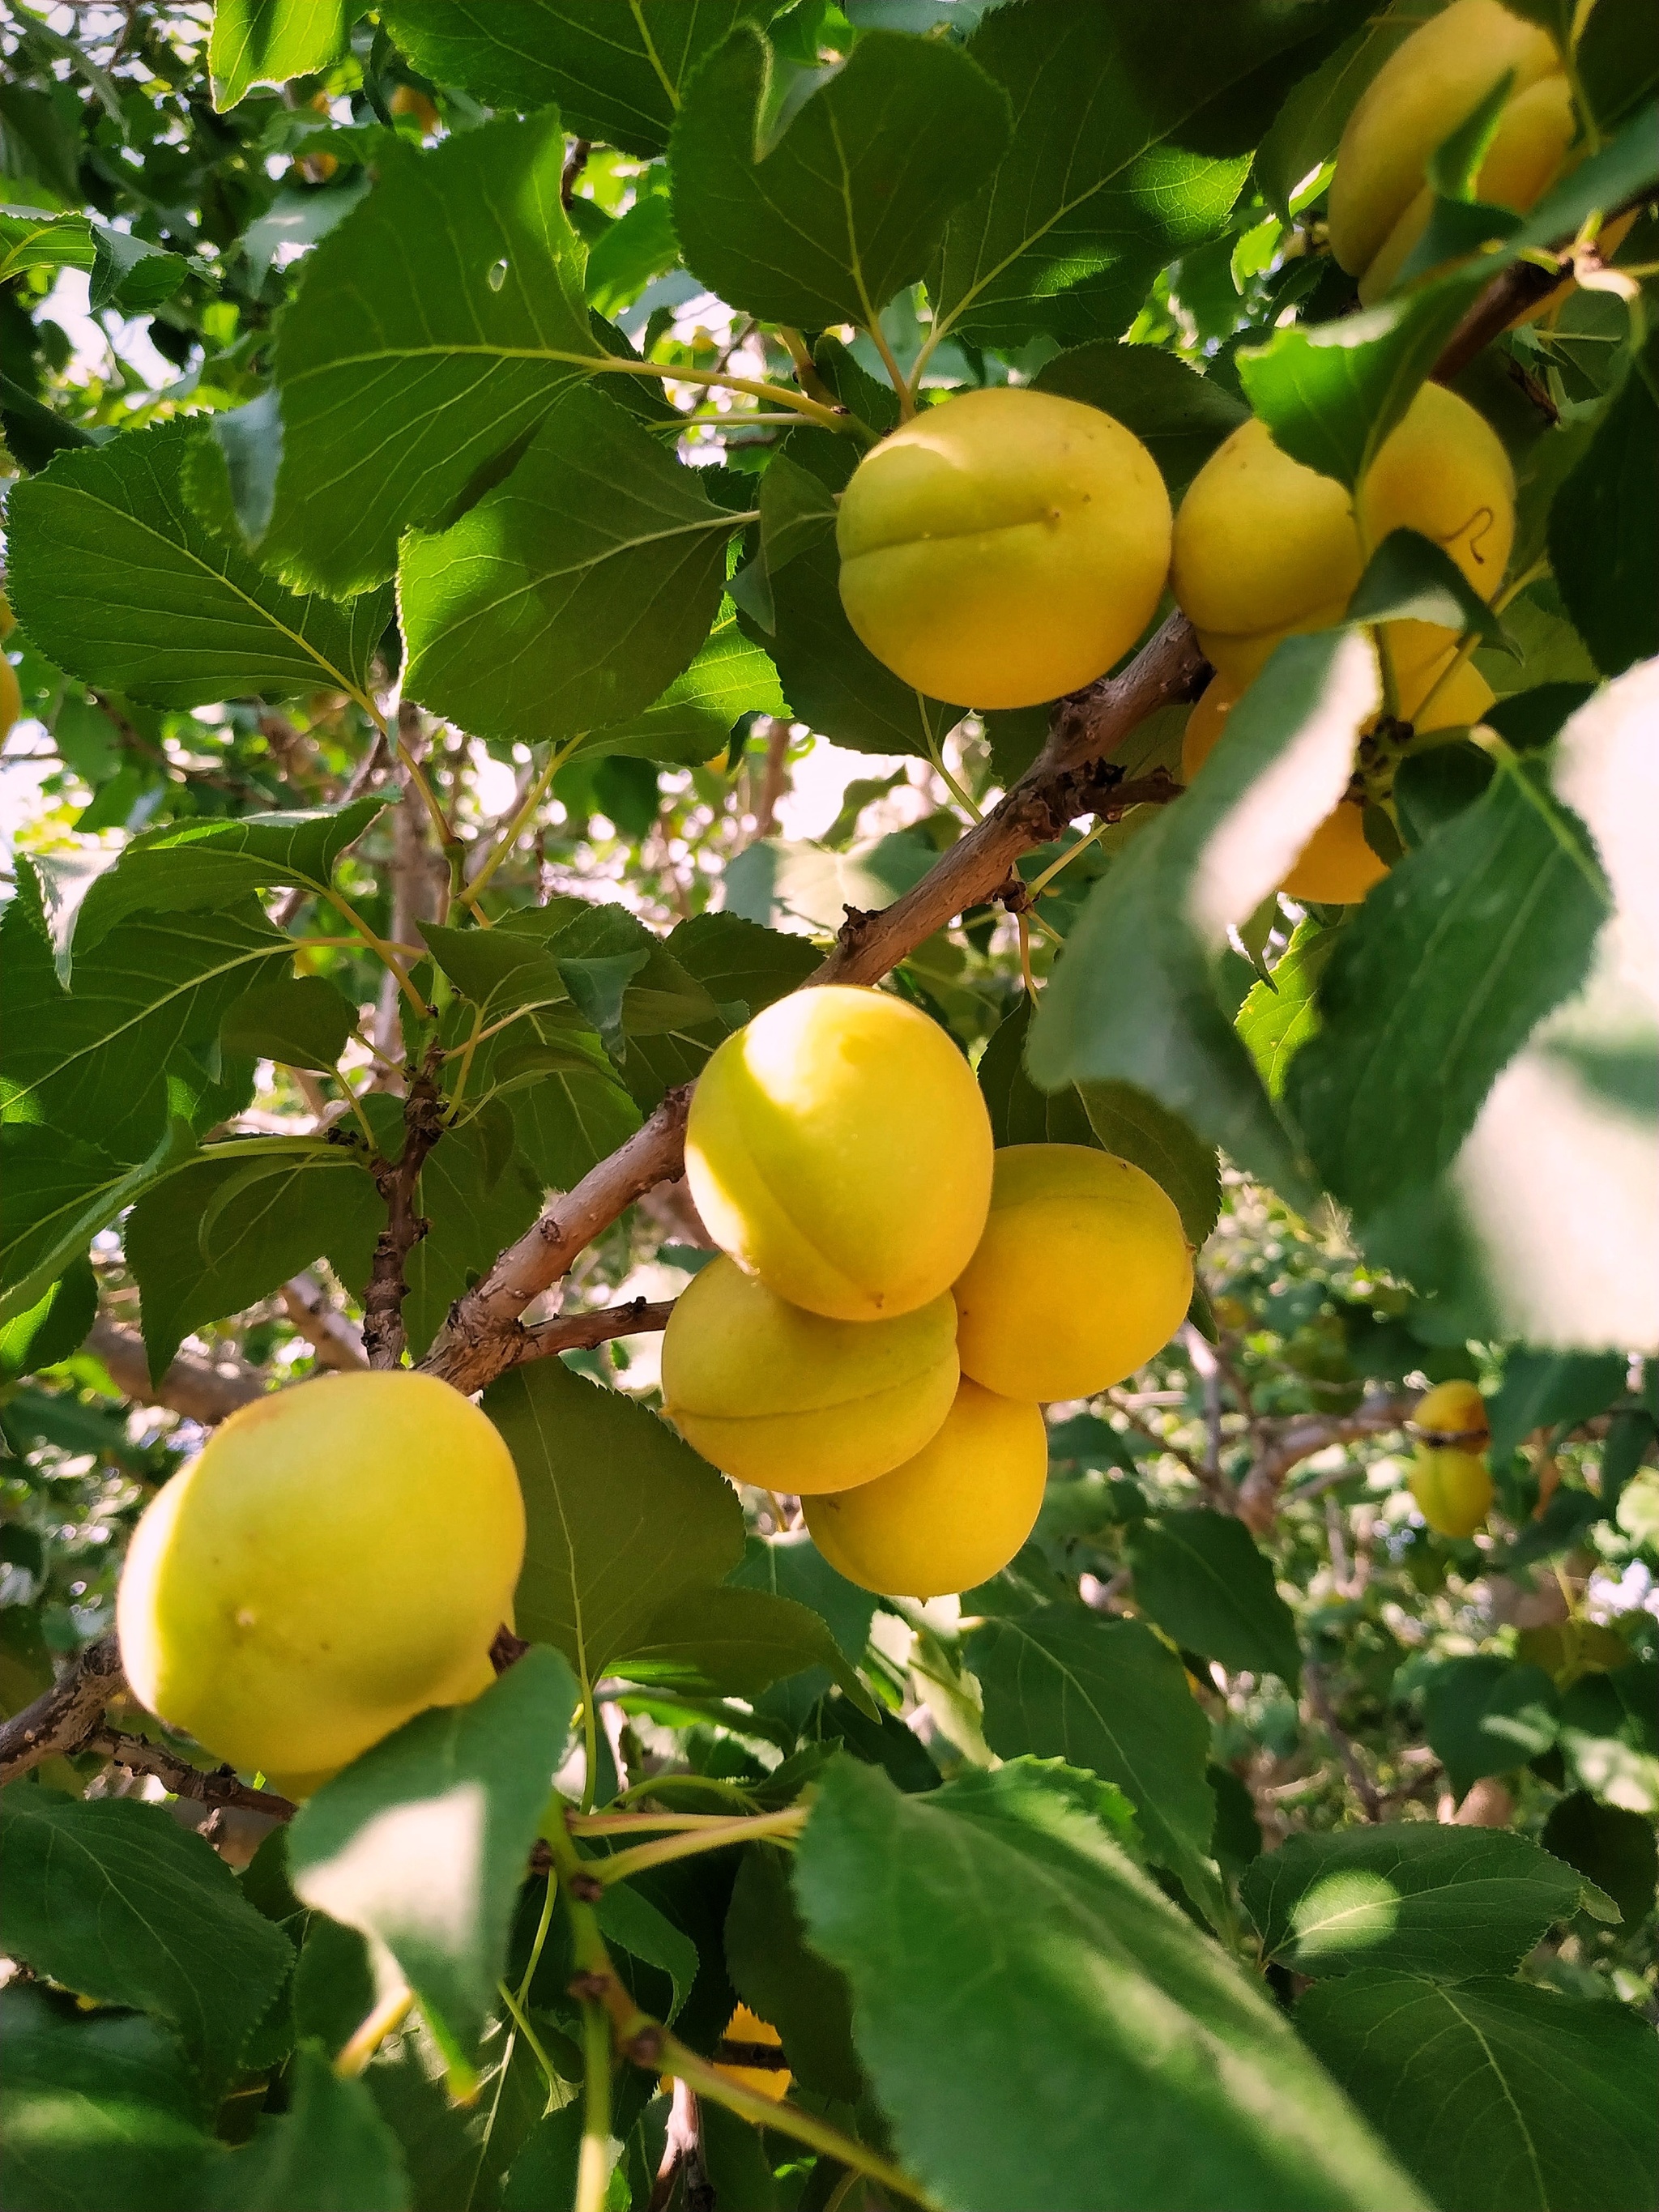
{"x":1083,"y":1272}
{"x":11,"y":697}
{"x":838,"y":1149}
{"x":951,"y":1516}
{"x":746,"y":2026}
{"x":1450,"y":1478}
{"x":1003,"y":548}
{"x":787,"y":1398}
{"x":408,"y":99}
{"x":1336,"y":866}
{"x":1265,"y":547}
{"x":338,"y":1558}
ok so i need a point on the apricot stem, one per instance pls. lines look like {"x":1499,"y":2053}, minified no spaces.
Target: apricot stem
{"x":509,"y":837}
{"x":778,"y":1827}
{"x":385,"y":2018}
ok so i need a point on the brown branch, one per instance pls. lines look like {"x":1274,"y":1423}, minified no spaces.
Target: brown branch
{"x":196,"y":1388}
{"x":398,"y":1181}
{"x":216,"y":1788}
{"x":1353,"y":1766}
{"x":581,"y":1332}
{"x":1288,"y":1442}
{"x":483,"y":1337}
{"x":330,"y":1333}
{"x":575,"y":161}
{"x":62,"y":1718}
{"x":1512,"y":293}
{"x":771,"y":790}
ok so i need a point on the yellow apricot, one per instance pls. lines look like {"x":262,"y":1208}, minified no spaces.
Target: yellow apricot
{"x":787,"y":1398}
{"x":11,"y":697}
{"x":408,"y":99}
{"x":1426,"y":89}
{"x":951,"y":1516}
{"x":338,"y":1558}
{"x":839,"y":1149}
{"x":1265,"y":547}
{"x":746,"y":2026}
{"x":1003,"y":548}
{"x":1083,"y":1272}
{"x":1453,"y":1491}
{"x":1336,"y":866}
{"x":1452,"y":1414}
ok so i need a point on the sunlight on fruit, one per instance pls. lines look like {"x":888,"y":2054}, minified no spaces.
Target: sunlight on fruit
{"x":951,"y":1517}
{"x":746,"y":2026}
{"x":1264,"y":547}
{"x":1003,"y":548}
{"x":338,"y":1558}
{"x":789,"y":1399}
{"x":1083,"y":1272}
{"x":839,"y":1149}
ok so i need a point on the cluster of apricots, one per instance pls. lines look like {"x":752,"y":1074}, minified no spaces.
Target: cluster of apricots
{"x":896,"y":1299}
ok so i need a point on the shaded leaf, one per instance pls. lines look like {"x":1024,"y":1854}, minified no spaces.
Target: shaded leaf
{"x":1487,"y":1714}
{"x":1178,"y":415}
{"x":303,"y":1022}
{"x":330,"y":2151}
{"x":1602,"y":554}
{"x":1200,"y":1577}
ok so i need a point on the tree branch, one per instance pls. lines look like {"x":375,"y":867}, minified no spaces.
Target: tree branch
{"x":62,"y":1718}
{"x":219,"y":1788}
{"x":1512,"y":293}
{"x":384,"y":1335}
{"x":1288,"y":1442}
{"x":196,"y":1388}
{"x":1353,"y":1766}
{"x":330,"y":1335}
{"x":581,"y":1332}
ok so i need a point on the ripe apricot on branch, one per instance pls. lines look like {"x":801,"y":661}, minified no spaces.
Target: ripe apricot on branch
{"x":1450,"y":1478}
{"x":839,"y":1149}
{"x":787,"y":1398}
{"x":11,"y":697}
{"x":1083,"y":1272}
{"x":409,"y":100}
{"x":746,"y":2026}
{"x":1003,"y":548}
{"x":1381,"y":198}
{"x":1265,"y":547}
{"x":1336,"y":866}
{"x":954,"y":1515}
{"x":338,"y":1558}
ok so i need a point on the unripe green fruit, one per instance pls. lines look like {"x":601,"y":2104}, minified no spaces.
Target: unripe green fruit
{"x":1003,"y":547}
{"x":839,"y":1149}
{"x":787,"y":1398}
{"x":1265,"y":547}
{"x":1083,"y":1272}
{"x":338,"y":1558}
{"x":951,"y":1516}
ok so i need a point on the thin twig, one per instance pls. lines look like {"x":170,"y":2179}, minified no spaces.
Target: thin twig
{"x":581,"y":1332}
{"x":398,"y":1181}
{"x":216,"y":1789}
{"x":1318,"y":1698}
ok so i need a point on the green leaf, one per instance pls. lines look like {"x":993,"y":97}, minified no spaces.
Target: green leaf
{"x":772,"y":877}
{"x":55,"y":1326}
{"x":1612,"y":1848}
{"x":1001,"y":1948}
{"x":791,"y":1566}
{"x":1100,"y":187}
{"x":1487,"y":1714}
{"x":104,"y":1062}
{"x":693,"y":719}
{"x":569,"y":1118}
{"x":303,"y":1022}
{"x":571,"y":594}
{"x":1437,"y":981}
{"x":1499,"y":2097}
{"x":732,"y":1642}
{"x":43,"y":241}
{"x":1178,"y":415}
{"x":739,"y":961}
{"x":330,"y":2151}
{"x":1309,"y":127}
{"x":402,"y":380}
{"x":186,"y":866}
{"x":781,"y":1978}
{"x":1062,"y":1682}
{"x":622,"y":1514}
{"x":1444,"y":1902}
{"x":1604,"y":559}
{"x":1541,"y":1390}
{"x":618,"y":73}
{"x":1200,"y":1577}
{"x":101,"y":2114}
{"x":1132,"y":998}
{"x":1411,"y":578}
{"x":1277,"y":1019}
{"x":267,"y":41}
{"x":817,"y":213}
{"x":420,"y":1844}
{"x":1130,"y":1122}
{"x":117,"y":1901}
{"x":797,"y":509}
{"x":628,"y":1918}
{"x":115,"y":577}
{"x":221,"y":1235}
{"x":130,"y":272}
{"x":56,"y":1192}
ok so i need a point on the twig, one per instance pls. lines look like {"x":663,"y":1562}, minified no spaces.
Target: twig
{"x":61,"y":1718}
{"x":330,"y":1333}
{"x":384,"y":1335}
{"x":1318,"y":1698}
{"x":1510,"y":293}
{"x":1286,"y":1443}
{"x":219,"y":1788}
{"x":196,"y":1388}
{"x":777,"y":747}
{"x":581,"y":1332}
{"x":575,"y":161}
